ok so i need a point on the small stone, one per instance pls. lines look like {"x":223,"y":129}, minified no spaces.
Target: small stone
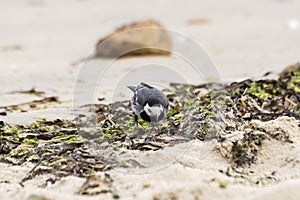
{"x":2,"y":124}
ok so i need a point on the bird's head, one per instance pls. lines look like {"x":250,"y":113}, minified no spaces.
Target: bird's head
{"x":155,"y":110}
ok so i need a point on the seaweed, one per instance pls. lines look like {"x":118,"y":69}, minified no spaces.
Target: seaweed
{"x":32,"y":105}
{"x":203,"y":112}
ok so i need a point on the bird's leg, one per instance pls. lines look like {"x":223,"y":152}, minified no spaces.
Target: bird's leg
{"x":154,"y":128}
{"x":136,"y":120}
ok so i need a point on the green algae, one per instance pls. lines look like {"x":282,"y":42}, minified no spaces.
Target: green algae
{"x":19,"y":151}
{"x":30,"y":141}
{"x":11,"y":131}
{"x":257,"y":90}
{"x":61,"y":146}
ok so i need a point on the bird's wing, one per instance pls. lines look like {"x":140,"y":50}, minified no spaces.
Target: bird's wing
{"x":162,"y":97}
{"x":139,"y":87}
{"x":143,"y":92}
{"x":146,"y":85}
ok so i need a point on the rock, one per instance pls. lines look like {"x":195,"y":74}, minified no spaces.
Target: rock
{"x":148,"y":38}
{"x":291,"y":68}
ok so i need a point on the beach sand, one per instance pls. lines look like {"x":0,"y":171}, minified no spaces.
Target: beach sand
{"x":43,"y":44}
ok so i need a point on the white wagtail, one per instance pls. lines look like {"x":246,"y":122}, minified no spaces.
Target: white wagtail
{"x":149,"y":103}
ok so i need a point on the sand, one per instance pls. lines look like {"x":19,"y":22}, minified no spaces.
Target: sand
{"x":42,"y":46}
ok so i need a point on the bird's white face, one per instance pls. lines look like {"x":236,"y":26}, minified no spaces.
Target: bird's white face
{"x":154,"y":111}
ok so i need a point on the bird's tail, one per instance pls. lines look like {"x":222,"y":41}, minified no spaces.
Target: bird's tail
{"x":132,"y":88}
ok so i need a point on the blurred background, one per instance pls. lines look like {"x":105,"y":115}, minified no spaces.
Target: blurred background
{"x":43,"y":41}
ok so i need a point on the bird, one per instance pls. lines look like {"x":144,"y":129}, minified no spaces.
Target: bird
{"x":148,"y":103}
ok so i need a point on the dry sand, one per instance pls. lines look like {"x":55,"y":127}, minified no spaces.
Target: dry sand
{"x":43,"y":41}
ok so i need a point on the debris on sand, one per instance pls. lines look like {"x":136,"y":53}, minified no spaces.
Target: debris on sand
{"x":198,"y":21}
{"x":32,"y":91}
{"x":32,"y":105}
{"x":239,"y":116}
{"x":98,"y":184}
{"x":140,"y":38}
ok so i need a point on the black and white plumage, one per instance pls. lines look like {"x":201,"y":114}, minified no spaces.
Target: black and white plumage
{"x":149,"y":103}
